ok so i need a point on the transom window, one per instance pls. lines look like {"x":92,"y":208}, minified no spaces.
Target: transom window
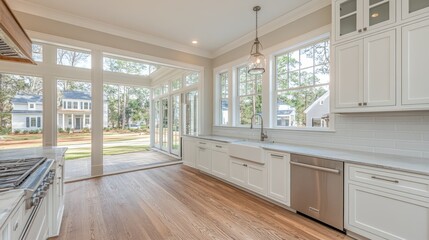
{"x":192,"y":78}
{"x":176,"y":84}
{"x":302,"y":86}
{"x":73,"y":58}
{"x":249,"y":94}
{"x":37,"y":52}
{"x":112,"y":64}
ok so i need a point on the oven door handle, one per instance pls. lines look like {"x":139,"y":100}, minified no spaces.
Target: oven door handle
{"x":330,"y":170}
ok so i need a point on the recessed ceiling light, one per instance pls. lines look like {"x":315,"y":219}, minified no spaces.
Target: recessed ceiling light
{"x":195,"y":42}
{"x":374,"y":15}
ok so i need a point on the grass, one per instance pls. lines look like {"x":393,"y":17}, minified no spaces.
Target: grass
{"x":77,"y":153}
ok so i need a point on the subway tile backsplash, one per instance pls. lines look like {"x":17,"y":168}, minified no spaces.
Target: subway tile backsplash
{"x":398,"y":133}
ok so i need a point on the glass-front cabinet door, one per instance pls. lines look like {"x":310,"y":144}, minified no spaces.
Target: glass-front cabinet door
{"x":348,"y":17}
{"x":378,"y":13}
{"x":411,"y":8}
{"x":359,"y":16}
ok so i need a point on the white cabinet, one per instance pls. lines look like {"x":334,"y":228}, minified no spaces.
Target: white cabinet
{"x":56,"y":199}
{"x":248,"y":175}
{"x":385,"y":204}
{"x":415,"y":70}
{"x":204,"y":156}
{"x":220,"y":161}
{"x":278,"y":165}
{"x":38,"y":230}
{"x":365,"y":72}
{"x":412,"y":8}
{"x":355,"y":17}
{"x":189,"y":151}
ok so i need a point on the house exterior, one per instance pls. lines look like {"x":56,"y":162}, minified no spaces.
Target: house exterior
{"x":74,"y":111}
{"x":317,"y":114}
{"x":285,"y":115}
{"x":27,"y":112}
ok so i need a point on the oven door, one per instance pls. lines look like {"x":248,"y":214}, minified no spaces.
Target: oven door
{"x":37,"y":224}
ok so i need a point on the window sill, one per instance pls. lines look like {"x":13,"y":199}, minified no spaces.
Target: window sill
{"x":327,"y":130}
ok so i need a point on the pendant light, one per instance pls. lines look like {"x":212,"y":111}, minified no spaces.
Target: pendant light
{"x":256,"y":63}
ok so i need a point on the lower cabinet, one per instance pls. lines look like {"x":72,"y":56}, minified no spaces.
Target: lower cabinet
{"x":381,"y":204}
{"x":220,"y":162}
{"x":204,"y":156}
{"x":278,"y":165}
{"x":189,"y":151}
{"x":248,"y":175}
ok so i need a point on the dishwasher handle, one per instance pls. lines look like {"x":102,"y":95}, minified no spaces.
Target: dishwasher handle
{"x":336,"y":171}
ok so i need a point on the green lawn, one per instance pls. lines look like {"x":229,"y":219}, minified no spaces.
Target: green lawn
{"x":77,"y":153}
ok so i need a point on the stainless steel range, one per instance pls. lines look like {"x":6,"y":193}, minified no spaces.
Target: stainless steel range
{"x":34,"y":176}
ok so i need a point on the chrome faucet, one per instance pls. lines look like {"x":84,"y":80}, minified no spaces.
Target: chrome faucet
{"x":263,"y":135}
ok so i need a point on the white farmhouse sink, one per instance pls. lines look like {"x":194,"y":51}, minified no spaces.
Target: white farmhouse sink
{"x":251,"y":151}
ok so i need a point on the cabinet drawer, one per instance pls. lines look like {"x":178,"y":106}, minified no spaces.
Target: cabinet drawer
{"x":204,"y":144}
{"x":220,"y":147}
{"x":395,"y":180}
{"x":16,"y":223}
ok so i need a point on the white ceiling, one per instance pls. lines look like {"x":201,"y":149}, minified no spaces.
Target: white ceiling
{"x":170,"y":23}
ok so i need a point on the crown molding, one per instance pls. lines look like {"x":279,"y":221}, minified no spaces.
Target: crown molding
{"x":277,"y":23}
{"x":53,"y":14}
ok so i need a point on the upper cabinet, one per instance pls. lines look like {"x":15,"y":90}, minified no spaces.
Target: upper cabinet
{"x":412,"y":8}
{"x":378,"y":59}
{"x":357,"y":17}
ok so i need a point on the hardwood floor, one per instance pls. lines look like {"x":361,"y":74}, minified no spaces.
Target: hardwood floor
{"x":177,"y":202}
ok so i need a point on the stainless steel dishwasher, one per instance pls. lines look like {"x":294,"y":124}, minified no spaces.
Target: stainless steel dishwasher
{"x":317,"y":189}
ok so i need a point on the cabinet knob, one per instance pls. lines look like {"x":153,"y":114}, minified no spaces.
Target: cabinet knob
{"x":365,"y":28}
{"x":359,"y":104}
{"x":365,"y":104}
{"x":360,"y":30}
{"x":245,"y":165}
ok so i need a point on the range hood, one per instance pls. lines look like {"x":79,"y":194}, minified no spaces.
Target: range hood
{"x":15,"y":45}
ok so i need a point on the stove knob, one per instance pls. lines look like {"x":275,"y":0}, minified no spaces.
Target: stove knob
{"x":35,"y":201}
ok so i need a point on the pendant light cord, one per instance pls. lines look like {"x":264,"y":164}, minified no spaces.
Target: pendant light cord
{"x":257,"y":24}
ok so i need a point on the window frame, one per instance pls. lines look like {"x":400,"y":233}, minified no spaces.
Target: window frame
{"x":238,"y":96}
{"x":275,"y":92}
{"x":220,"y":98}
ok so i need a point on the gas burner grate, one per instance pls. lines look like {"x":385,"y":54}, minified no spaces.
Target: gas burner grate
{"x":13,"y":172}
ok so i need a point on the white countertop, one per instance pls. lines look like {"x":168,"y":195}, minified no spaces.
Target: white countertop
{"x":8,"y":202}
{"x":393,"y":162}
{"x":49,"y":152}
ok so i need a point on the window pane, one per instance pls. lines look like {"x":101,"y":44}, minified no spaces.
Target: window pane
{"x":192,"y":78}
{"x":224,"y":95}
{"x":191,"y":113}
{"x":224,"y":112}
{"x":321,"y":74}
{"x":73,"y":58}
{"x":321,"y":53}
{"x":282,"y":69}
{"x":294,"y":61}
{"x":306,"y":57}
{"x":37,"y":52}
{"x":306,"y":77}
{"x":18,"y":123}
{"x":298,"y":107}
{"x":176,"y":84}
{"x":112,"y":64}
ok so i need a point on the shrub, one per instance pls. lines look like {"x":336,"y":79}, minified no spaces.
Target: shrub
{"x":86,"y":130}
{"x":25,"y":131}
{"x":60,"y":130}
{"x":17,"y":131}
{"x":34,"y":131}
{"x":68,"y":130}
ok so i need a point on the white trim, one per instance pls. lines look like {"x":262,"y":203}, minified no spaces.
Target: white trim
{"x":294,"y":15}
{"x":61,"y":16}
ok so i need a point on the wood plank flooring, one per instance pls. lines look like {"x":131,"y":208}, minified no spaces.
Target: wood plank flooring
{"x":177,"y":202}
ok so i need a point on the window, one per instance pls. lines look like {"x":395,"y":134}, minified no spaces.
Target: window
{"x":249,"y":94}
{"x":86,"y":121}
{"x":85,"y":105}
{"x":37,"y":52}
{"x":302,"y":86}
{"x":69,"y":105}
{"x":32,"y":106}
{"x":224,"y":92}
{"x":176,"y":84}
{"x":164,"y":89}
{"x":73,"y":58}
{"x":112,"y":64}
{"x":157,"y":92}
{"x":75,"y":105}
{"x":192,"y":78}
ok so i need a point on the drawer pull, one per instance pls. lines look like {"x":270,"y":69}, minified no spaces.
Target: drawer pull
{"x":201,"y":148}
{"x":218,"y":146}
{"x":244,"y":165}
{"x":202,"y":143}
{"x":276,"y":156}
{"x":314,"y":209}
{"x":384,"y":179}
{"x":15,"y":226}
